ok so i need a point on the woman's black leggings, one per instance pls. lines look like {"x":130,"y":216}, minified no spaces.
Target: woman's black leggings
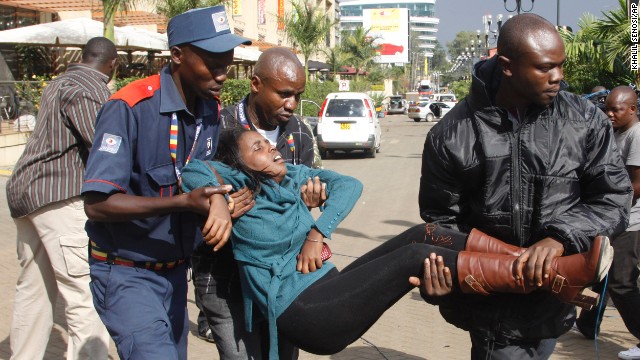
{"x":339,"y":308}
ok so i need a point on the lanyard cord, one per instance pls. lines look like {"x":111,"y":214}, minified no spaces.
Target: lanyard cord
{"x":241,"y":115}
{"x":173,"y":143}
{"x":599,"y":317}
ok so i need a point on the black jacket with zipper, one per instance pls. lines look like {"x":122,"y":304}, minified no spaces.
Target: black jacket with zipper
{"x":558,"y":175}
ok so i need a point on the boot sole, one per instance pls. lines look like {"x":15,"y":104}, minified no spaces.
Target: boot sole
{"x":604,"y":260}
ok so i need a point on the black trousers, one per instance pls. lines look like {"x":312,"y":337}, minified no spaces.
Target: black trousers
{"x":339,"y":308}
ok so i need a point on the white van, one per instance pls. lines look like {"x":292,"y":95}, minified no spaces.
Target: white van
{"x":348,"y":121}
{"x":449,"y":99}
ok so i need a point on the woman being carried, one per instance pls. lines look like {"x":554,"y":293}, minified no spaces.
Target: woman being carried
{"x":321,"y":310}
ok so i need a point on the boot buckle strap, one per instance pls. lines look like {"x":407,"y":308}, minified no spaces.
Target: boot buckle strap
{"x":475,"y":285}
{"x":558,"y":283}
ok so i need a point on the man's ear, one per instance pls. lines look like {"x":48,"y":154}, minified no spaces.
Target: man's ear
{"x":256,"y":84}
{"x":505,"y":64}
{"x":176,"y":54}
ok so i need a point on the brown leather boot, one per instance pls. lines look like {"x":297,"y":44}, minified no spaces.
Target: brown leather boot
{"x":477,"y":241}
{"x":485,"y":273}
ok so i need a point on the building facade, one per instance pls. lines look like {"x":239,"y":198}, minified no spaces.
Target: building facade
{"x":259,"y":19}
{"x":423,"y":25}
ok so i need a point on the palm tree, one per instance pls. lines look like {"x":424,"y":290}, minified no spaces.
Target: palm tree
{"x":598,"y":53}
{"x":110,"y":8}
{"x":360,"y":47}
{"x":336,"y":58}
{"x":615,"y":32}
{"x":306,"y":28}
{"x":171,"y":8}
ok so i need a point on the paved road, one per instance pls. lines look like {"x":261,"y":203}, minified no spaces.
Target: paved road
{"x":411,"y":329}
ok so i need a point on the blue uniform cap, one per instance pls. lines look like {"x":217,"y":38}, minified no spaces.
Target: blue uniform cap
{"x":206,"y":28}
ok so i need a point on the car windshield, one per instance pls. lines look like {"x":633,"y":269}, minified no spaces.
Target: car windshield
{"x":423,"y":104}
{"x":345,"y":108}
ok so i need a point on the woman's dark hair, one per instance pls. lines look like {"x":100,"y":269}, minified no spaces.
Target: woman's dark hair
{"x":228,"y":153}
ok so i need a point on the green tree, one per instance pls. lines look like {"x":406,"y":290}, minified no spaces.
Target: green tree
{"x":615,"y":31}
{"x":462,"y":41}
{"x":598,"y":53}
{"x":586,"y":64}
{"x":461,"y":88}
{"x":306,"y":28}
{"x":110,"y":9}
{"x":439,"y":60}
{"x":360,"y":47}
{"x":171,"y":8}
{"x":336,"y":58}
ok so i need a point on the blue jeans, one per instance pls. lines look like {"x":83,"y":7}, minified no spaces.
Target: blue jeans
{"x":145,"y":311}
{"x":217,"y":288}
{"x":487,"y":349}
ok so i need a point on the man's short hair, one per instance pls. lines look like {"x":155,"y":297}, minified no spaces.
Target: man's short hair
{"x":99,"y":50}
{"x":517,"y":30}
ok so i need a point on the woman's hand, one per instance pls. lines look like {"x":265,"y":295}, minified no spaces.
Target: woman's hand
{"x":314,"y":193}
{"x":436,"y":280}
{"x":310,"y":258}
{"x":217,"y":228}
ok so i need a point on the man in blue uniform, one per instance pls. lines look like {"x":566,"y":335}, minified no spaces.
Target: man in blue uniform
{"x":142,"y":229}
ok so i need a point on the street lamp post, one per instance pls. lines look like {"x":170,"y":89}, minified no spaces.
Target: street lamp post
{"x":518,"y":7}
{"x":487,"y":21}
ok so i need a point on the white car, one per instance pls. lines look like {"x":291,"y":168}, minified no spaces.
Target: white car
{"x":348,"y":121}
{"x":428,"y":111}
{"x":449,"y":99}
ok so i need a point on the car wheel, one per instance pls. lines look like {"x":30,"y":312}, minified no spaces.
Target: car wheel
{"x":371,"y":153}
{"x":416,"y":120}
{"x":324,"y":154}
{"x":430,"y":117}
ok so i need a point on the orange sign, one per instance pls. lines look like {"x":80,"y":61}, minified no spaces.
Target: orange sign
{"x":236,"y":8}
{"x":280,"y":14}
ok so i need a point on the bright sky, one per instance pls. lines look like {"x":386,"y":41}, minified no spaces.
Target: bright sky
{"x":466,"y":15}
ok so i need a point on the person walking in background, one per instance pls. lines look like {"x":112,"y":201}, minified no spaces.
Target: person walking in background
{"x":276,"y":86}
{"x":532,"y":165}
{"x":142,"y":229}
{"x":44,"y":199}
{"x":621,"y":107}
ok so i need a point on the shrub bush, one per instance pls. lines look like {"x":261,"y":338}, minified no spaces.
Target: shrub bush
{"x":234,"y":90}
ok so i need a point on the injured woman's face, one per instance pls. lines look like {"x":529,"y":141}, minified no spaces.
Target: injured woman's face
{"x":258,"y":154}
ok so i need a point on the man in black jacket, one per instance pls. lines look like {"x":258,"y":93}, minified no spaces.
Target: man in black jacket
{"x":528,"y":163}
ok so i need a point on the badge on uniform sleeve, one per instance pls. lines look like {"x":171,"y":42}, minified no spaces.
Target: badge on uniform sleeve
{"x":110,"y":143}
{"x":209,"y":146}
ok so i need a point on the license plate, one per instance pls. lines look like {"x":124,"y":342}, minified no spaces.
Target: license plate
{"x":344,"y":126}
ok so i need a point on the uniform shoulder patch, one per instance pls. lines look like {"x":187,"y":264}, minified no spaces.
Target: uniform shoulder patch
{"x":138,"y":90}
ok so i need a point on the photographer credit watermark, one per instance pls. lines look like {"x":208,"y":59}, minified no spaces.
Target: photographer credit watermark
{"x":633,"y":16}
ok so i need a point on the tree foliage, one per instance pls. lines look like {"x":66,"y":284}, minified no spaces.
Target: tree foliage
{"x":360,"y":47}
{"x":110,"y":9}
{"x":461,"y":88}
{"x":336,"y":58}
{"x":306,"y":28}
{"x":460,"y":42}
{"x":171,"y":8}
{"x":599,"y":52}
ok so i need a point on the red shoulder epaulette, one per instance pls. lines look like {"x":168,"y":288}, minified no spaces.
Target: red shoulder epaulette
{"x":138,"y":90}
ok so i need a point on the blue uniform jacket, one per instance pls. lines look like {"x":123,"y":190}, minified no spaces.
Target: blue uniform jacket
{"x":131,"y":155}
{"x":267,"y":239}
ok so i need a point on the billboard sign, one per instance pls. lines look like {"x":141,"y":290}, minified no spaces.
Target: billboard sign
{"x":391,"y":28}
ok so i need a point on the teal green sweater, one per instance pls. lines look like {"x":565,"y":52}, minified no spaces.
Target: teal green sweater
{"x":267,"y":239}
